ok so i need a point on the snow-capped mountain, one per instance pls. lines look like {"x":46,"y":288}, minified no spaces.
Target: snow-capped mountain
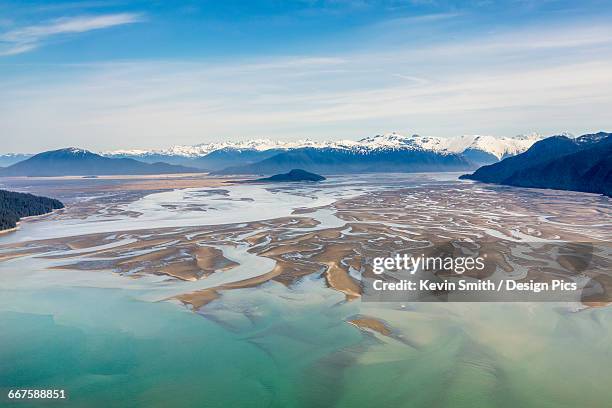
{"x":559,"y":162}
{"x":391,"y":152}
{"x":498,"y":147}
{"x":476,"y":149}
{"x":202,"y":149}
{"x":72,"y":161}
{"x":7,"y":159}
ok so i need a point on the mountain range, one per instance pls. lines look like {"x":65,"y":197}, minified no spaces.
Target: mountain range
{"x":342,"y":161}
{"x":7,"y":159}
{"x":476,"y":149}
{"x":382,"y":153}
{"x":559,"y":162}
{"x":78,"y":162}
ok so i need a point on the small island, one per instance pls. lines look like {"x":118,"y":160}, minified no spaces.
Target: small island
{"x":14,"y":206}
{"x":292,"y":176}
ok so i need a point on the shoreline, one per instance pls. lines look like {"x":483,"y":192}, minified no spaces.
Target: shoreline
{"x":6,"y":231}
{"x":29,"y":217}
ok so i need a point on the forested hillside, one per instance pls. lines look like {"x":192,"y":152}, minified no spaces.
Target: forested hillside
{"x":14,"y":206}
{"x":562,"y":163}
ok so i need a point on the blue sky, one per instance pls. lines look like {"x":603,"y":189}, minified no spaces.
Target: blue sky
{"x":126,"y":74}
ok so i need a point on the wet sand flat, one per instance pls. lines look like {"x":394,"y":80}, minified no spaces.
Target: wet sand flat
{"x":373,"y":225}
{"x":285,"y":292}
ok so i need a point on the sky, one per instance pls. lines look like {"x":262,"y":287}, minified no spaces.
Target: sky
{"x":112,"y":74}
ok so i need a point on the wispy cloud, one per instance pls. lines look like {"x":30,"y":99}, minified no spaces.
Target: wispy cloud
{"x":545,"y":79}
{"x":421,"y":18}
{"x":27,"y":38}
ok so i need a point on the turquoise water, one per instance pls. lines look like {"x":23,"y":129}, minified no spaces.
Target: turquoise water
{"x":274,"y":347}
{"x":109,"y":342}
{"x":107,"y":349}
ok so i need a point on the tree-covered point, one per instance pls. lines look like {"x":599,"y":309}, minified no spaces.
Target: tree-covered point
{"x":14,"y":206}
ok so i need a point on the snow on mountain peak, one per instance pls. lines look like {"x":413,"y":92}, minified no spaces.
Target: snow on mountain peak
{"x":75,"y":150}
{"x":497,"y":146}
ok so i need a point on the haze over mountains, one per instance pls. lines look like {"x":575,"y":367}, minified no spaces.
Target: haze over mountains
{"x":387,"y":153}
{"x":342,"y":161}
{"x":525,"y":160}
{"x":477,"y":149}
{"x":581,"y":164}
{"x":78,"y":162}
{"x":8,"y":159}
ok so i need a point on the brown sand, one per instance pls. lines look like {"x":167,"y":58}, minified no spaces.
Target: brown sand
{"x":366,"y":322}
{"x":211,"y":259}
{"x":340,"y":280}
{"x":424,"y":215}
{"x":199,"y":298}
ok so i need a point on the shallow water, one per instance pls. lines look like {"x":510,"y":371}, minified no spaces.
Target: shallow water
{"x":230,"y":204}
{"x":111,"y":341}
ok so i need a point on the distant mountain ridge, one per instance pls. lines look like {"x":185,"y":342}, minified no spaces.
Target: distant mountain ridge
{"x":342,"y":161}
{"x":220,"y":159}
{"x":7,"y":159}
{"x":216,"y":156}
{"x":78,"y":162}
{"x":382,"y":153}
{"x":581,"y":164}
